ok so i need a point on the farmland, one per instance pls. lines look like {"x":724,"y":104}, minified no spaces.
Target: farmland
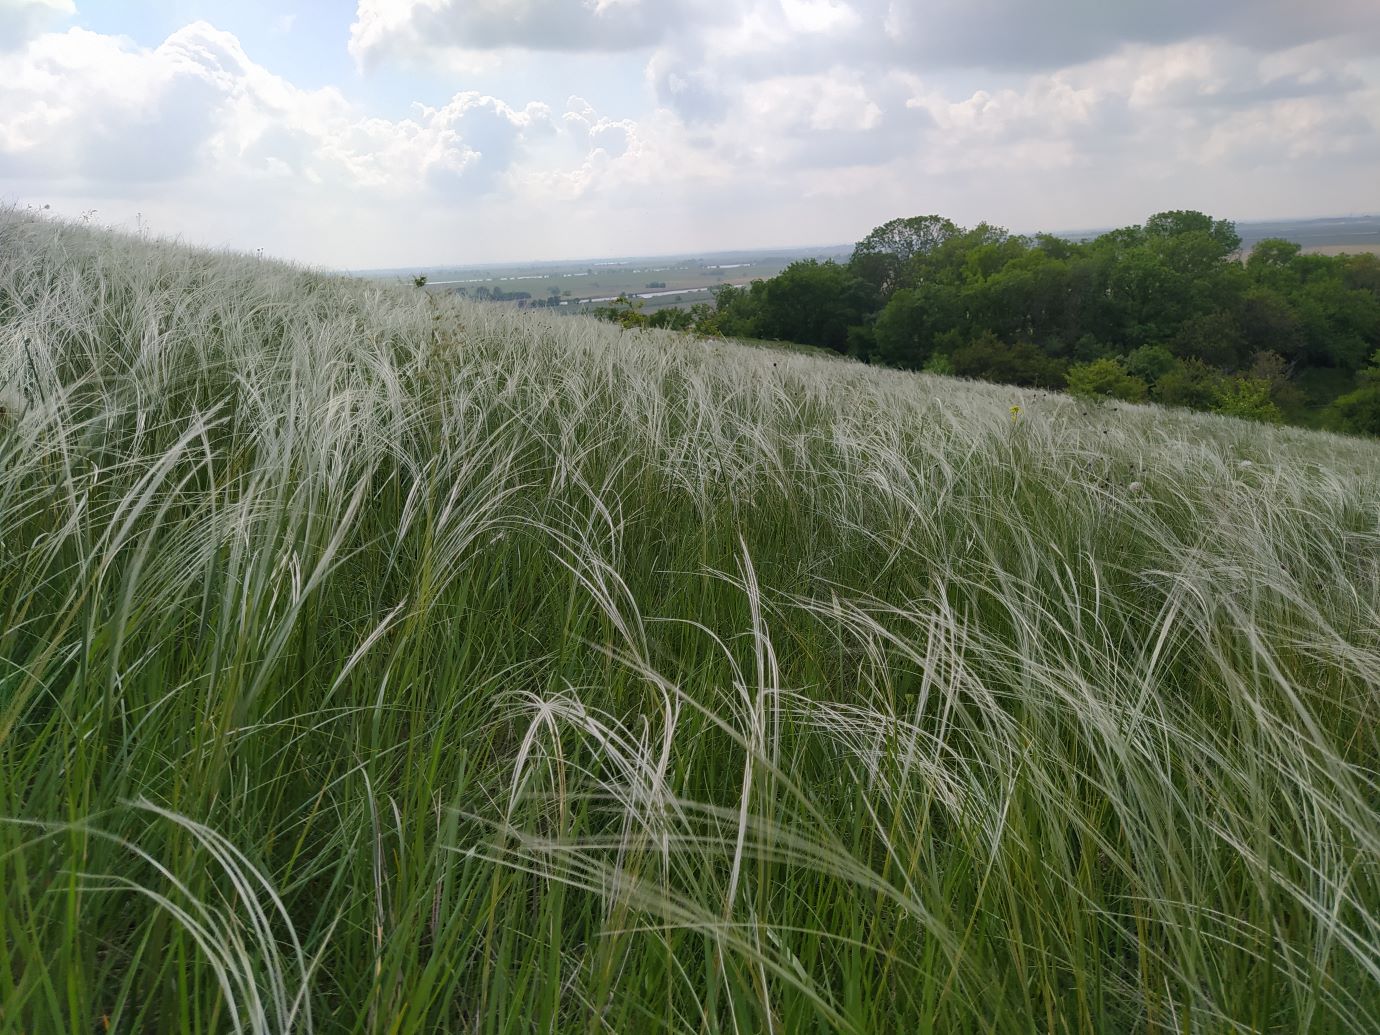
{"x":581,"y":284}
{"x":373,"y":660}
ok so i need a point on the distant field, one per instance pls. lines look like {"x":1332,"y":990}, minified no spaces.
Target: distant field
{"x":582,"y":284}
{"x":1342,"y":249}
{"x":1325,"y":236}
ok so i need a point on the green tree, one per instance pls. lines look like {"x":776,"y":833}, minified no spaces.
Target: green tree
{"x":813,"y":303}
{"x":1215,"y":338}
{"x":907,"y":328}
{"x":1185,"y":223}
{"x":1273,"y":253}
{"x":880,"y":257}
{"x":738,"y":310}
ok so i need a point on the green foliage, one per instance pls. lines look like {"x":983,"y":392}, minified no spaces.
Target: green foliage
{"x":1269,"y":323}
{"x":1192,"y":384}
{"x":419,"y":280}
{"x":939,"y":363}
{"x":1214,"y":338}
{"x":1184,"y":225}
{"x":1105,"y":378}
{"x":1358,"y":411}
{"x":880,"y":259}
{"x":1149,"y":362}
{"x":624,"y":311}
{"x":1248,"y":398}
{"x":738,"y":310}
{"x":813,"y":303}
{"x":671,"y":318}
{"x":906,"y":328}
{"x":988,"y":358}
{"x":1273,"y":253}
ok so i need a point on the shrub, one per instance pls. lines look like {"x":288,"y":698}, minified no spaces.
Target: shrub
{"x":1248,"y":398}
{"x":1105,"y":378}
{"x":1192,"y":383}
{"x":1020,"y":364}
{"x":939,"y":363}
{"x":1149,"y":362}
{"x":1358,"y":411}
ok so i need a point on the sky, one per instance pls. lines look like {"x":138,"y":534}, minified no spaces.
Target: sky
{"x":395,"y":133}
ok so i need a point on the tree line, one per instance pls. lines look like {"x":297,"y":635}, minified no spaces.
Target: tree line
{"x":1171,"y":311}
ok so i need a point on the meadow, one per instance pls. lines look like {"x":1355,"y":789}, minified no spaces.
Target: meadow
{"x":373,"y":661}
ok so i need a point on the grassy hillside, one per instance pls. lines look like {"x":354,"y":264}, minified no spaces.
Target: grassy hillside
{"x":371,"y":662}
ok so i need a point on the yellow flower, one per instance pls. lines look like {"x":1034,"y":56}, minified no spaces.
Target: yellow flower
{"x":1015,"y":414}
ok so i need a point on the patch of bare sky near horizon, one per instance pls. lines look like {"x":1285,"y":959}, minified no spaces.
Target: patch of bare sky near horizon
{"x":772,"y":122}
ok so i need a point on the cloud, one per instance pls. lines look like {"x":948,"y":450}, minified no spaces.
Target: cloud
{"x":82,"y":104}
{"x":96,"y":121}
{"x":1016,"y":34}
{"x":764,"y":83}
{"x":80,"y":107}
{"x":916,"y":35}
{"x":1182,"y":110}
{"x":22,"y":20}
{"x":398,"y":28}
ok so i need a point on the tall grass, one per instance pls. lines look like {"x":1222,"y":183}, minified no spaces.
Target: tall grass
{"x":375,"y":662}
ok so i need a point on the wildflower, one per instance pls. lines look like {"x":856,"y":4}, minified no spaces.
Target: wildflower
{"x":1135,"y":486}
{"x":1015,"y":414}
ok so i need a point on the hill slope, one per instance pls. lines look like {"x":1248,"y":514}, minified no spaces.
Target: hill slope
{"x":373,"y":662}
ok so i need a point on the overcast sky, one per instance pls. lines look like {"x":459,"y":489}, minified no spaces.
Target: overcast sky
{"x":411,"y":132}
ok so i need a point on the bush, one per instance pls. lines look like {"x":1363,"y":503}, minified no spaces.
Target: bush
{"x":625,"y":311}
{"x":1149,"y":362}
{"x":1357,"y":412}
{"x":939,"y":363}
{"x":1192,"y":383}
{"x":1248,"y":398}
{"x":1019,"y":364}
{"x":1105,"y":378}
{"x":671,"y":318}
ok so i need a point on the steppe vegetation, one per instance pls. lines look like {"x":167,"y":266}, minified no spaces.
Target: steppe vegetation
{"x":372,"y":661}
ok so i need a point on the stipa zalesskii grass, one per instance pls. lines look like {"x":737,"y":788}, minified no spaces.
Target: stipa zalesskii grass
{"x":556,"y":678}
